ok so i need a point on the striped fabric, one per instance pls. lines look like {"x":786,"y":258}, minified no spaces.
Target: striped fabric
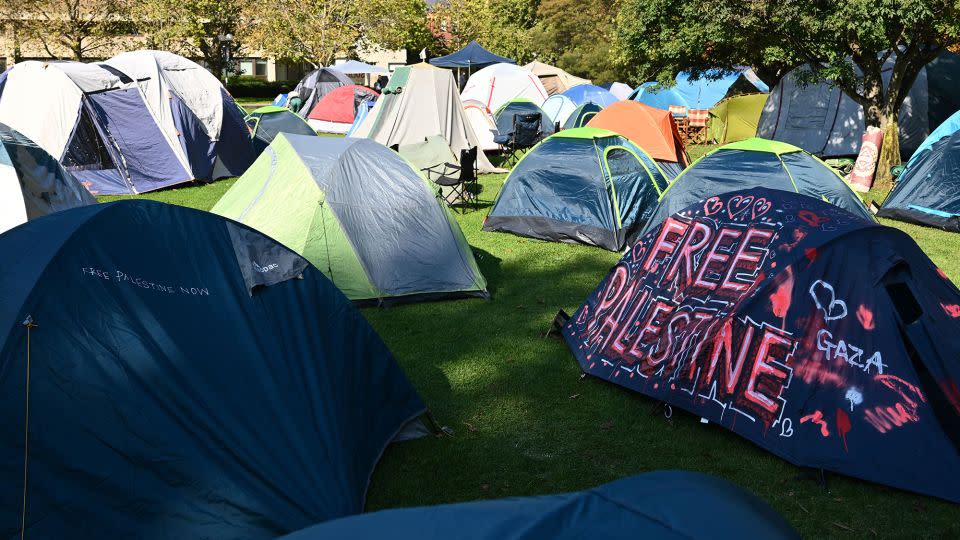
{"x":699,"y":117}
{"x":678,"y":110}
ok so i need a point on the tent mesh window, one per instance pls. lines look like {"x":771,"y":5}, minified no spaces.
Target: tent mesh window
{"x":86,"y":150}
{"x":621,"y":162}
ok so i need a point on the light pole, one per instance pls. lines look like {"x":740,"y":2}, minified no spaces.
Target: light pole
{"x":225,"y":45}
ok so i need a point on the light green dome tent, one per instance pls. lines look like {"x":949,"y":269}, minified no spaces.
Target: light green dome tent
{"x":359,"y":213}
{"x":736,"y":118}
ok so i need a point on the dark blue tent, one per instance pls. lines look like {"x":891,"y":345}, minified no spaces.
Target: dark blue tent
{"x":814,"y":333}
{"x":471,"y":56}
{"x":504,"y":115}
{"x":188,"y":378}
{"x":584,"y":185}
{"x":581,"y":115}
{"x":756,"y":163}
{"x":928,"y":190}
{"x":662,"y":504}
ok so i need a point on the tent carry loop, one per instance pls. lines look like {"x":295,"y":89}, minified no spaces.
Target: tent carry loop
{"x":28,"y":322}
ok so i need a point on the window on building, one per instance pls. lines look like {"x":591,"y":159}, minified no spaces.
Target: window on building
{"x":246,"y":67}
{"x":260,"y":68}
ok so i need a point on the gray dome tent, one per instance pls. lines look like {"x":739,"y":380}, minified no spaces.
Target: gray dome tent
{"x":32,"y":182}
{"x":824,"y":121}
{"x":317,"y":84}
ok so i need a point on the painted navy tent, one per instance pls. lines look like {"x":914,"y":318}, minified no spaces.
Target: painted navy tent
{"x":504,"y":115}
{"x":265,"y":123}
{"x":809,"y":331}
{"x":756,"y":163}
{"x":662,"y":504}
{"x":928,"y":189}
{"x":584,"y":185}
{"x":823,"y":120}
{"x":470,"y":56}
{"x":359,"y":213}
{"x":32,"y":182}
{"x":189,"y":377}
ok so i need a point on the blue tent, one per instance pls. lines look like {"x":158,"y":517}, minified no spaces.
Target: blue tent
{"x":662,"y":504}
{"x":583,"y":185}
{"x":504,"y":115}
{"x":471,"y":56}
{"x":756,"y":163}
{"x":928,"y":189}
{"x":814,"y":333}
{"x":703,"y":92}
{"x":189,"y":377}
{"x":588,"y":93}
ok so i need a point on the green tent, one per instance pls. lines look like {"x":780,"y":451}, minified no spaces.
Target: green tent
{"x":736,"y":118}
{"x":266,"y":122}
{"x":359,"y":213}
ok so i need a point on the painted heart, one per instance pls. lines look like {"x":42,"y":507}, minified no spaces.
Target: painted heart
{"x":760,"y":207}
{"x":738,"y":204}
{"x":786,"y":428}
{"x":712,"y":206}
{"x":826,"y":300}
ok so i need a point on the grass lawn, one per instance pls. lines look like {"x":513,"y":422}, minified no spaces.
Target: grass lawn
{"x":527,"y":424}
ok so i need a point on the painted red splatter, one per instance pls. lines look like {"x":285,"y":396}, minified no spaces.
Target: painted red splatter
{"x":811,"y":218}
{"x":952,"y":310}
{"x":953,"y":393}
{"x":816,"y":417}
{"x":783,"y":295}
{"x":810,"y":254}
{"x":865,"y":316}
{"x":942,"y":273}
{"x":843,"y":426}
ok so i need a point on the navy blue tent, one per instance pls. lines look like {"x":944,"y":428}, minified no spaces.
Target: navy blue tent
{"x":662,"y":504}
{"x":581,"y":115}
{"x":189,"y":377}
{"x":756,"y":163}
{"x":504,"y":115}
{"x":471,"y":56}
{"x":585,"y":185}
{"x":928,"y":190}
{"x":814,"y":333}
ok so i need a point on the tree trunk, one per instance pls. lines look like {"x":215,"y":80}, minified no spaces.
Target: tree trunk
{"x":889,"y":153}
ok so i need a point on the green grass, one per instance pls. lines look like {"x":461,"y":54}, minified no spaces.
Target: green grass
{"x":527,"y":424}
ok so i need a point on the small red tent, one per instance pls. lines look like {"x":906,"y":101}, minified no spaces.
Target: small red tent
{"x":335,"y":112}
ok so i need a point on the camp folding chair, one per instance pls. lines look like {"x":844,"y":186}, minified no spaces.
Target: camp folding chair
{"x":527,"y":131}
{"x":459,"y":185}
{"x":697,"y":122}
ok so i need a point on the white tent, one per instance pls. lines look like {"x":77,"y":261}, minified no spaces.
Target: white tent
{"x":554,"y":79}
{"x":497,"y":84}
{"x":421,"y":101}
{"x":32,"y":183}
{"x":559,"y":107}
{"x":354,"y":67}
{"x":620,"y":91}
{"x":138,"y":122}
{"x":482,"y":122}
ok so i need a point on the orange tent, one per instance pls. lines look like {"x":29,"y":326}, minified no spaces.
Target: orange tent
{"x":651,"y":129}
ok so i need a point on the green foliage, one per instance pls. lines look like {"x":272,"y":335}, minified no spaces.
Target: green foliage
{"x":502,"y":26}
{"x":193,"y":27}
{"x":576,"y":36}
{"x":73,"y":29}
{"x":248,"y":86}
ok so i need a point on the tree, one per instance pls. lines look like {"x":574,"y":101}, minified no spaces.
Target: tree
{"x":575,"y":35}
{"x":318,"y":31}
{"x":75,"y":29}
{"x":502,"y":26}
{"x":195,"y":28}
{"x":849,"y":44}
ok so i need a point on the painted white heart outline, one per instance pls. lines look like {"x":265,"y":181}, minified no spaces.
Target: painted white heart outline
{"x":829,"y":313}
{"x":786,"y":428}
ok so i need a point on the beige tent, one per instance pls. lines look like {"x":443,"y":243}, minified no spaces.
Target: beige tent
{"x":419,"y":102}
{"x":554,"y":79}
